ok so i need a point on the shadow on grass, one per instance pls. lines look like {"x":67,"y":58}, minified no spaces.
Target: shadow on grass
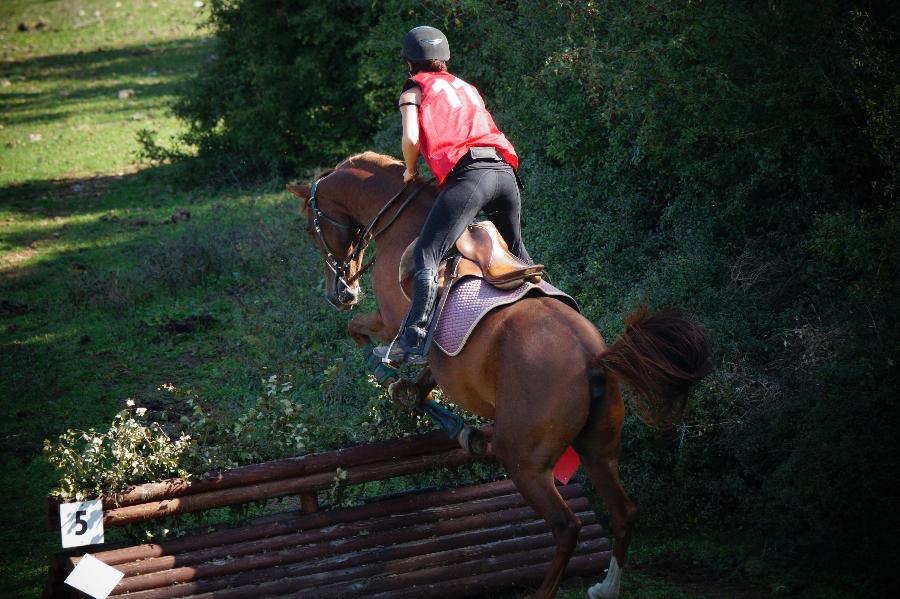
{"x":56,"y":197}
{"x":132,"y":67}
{"x":50,"y":109}
{"x":84,"y":226}
{"x":64,"y":218}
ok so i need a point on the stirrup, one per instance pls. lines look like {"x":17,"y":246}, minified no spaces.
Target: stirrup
{"x":395,"y":354}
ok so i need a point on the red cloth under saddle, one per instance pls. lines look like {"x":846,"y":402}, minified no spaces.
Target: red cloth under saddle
{"x":471,"y":299}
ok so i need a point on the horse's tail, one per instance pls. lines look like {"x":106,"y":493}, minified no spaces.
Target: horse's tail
{"x":661,"y":356}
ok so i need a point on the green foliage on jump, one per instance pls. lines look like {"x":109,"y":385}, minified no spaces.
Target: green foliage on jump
{"x":738,"y":159}
{"x":97,"y":463}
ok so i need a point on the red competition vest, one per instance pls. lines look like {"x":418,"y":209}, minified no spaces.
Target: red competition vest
{"x":452,"y":119}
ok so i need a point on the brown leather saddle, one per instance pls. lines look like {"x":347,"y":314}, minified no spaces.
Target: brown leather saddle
{"x":481,"y":252}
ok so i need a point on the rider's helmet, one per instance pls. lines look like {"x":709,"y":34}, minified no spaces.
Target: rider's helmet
{"x":424,"y":43}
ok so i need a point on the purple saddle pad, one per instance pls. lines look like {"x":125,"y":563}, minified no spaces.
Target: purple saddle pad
{"x":470,"y":299}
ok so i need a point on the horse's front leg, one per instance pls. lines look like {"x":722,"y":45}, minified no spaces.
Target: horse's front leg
{"x":409,"y":393}
{"x":412,"y":394}
{"x":363,"y":327}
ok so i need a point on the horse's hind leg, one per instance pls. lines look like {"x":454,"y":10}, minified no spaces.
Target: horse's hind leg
{"x":598,"y":447}
{"x":604,"y":474}
{"x":534,"y":480}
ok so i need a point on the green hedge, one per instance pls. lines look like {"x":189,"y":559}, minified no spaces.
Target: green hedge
{"x":738,"y":158}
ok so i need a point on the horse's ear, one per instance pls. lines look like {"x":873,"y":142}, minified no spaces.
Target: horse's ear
{"x":302,"y":192}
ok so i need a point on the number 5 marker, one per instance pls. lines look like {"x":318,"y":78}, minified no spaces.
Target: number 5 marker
{"x":81,"y":523}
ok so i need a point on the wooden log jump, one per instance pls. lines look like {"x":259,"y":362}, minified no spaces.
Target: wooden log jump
{"x":454,"y":542}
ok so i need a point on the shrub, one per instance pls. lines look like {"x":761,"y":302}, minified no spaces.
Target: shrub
{"x":135,"y":450}
{"x":274,"y":426}
{"x":94,"y":464}
{"x":281,"y":89}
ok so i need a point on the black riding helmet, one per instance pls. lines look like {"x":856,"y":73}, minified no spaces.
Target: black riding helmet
{"x":425,"y":43}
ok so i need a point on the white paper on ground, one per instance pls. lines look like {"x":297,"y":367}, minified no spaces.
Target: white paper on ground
{"x":93,"y":577}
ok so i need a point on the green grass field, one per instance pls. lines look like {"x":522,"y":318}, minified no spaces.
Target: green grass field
{"x":98,"y":257}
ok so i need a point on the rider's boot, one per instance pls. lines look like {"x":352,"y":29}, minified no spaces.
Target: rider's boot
{"x":409,"y":345}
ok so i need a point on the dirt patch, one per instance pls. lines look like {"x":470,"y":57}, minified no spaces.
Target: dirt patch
{"x":179,"y":216}
{"x":9,"y":261}
{"x":698,"y":578}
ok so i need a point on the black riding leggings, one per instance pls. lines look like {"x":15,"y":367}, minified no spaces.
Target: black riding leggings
{"x":488,"y":186}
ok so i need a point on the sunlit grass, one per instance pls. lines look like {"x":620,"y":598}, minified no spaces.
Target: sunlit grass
{"x":75,"y":92}
{"x":77,"y":25}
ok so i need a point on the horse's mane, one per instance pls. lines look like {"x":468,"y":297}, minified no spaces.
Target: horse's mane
{"x":386,"y":171}
{"x":368,"y":161}
{"x":373,"y":162}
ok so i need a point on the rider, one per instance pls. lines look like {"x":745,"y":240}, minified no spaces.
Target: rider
{"x":474,"y":164}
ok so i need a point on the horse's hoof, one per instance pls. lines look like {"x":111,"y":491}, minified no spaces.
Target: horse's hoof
{"x":405,"y":393}
{"x":473,"y":441}
{"x":611,"y":585}
{"x":598,"y":591}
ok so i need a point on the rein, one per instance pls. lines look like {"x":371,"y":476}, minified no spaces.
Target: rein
{"x":363,"y":238}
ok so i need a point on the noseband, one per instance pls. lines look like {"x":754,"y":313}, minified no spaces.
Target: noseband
{"x":364,"y":236}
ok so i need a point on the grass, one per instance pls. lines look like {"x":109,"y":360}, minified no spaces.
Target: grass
{"x":93,"y":266}
{"x":97,"y":293}
{"x":60,"y":84}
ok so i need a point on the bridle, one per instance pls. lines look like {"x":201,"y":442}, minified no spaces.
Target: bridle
{"x":364,"y":235}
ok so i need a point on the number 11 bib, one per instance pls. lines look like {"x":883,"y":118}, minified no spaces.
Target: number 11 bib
{"x":452,"y":119}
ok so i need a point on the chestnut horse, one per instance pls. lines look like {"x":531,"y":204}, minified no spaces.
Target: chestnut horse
{"x":537,"y":367}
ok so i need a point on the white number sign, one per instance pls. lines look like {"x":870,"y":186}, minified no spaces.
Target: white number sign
{"x":81,"y":523}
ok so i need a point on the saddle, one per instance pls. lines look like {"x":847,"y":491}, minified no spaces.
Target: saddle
{"x":480,"y":252}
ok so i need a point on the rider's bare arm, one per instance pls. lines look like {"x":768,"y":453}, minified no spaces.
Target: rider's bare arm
{"x":409,"y":114}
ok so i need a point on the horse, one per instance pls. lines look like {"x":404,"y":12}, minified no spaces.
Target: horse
{"x":537,"y":367}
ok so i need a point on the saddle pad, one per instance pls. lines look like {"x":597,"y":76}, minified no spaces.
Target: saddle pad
{"x":471,"y":298}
